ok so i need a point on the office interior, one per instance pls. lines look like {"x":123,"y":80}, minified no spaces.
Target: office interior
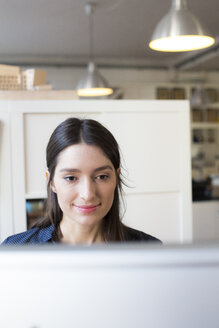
{"x":56,"y":38}
{"x":164,"y":112}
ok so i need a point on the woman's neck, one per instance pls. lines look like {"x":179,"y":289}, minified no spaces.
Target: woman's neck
{"x":74,"y":233}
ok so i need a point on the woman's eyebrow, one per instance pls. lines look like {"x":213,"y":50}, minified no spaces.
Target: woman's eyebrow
{"x":69,"y":170}
{"x":101,"y":168}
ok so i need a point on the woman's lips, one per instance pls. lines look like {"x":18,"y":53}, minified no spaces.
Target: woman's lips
{"x":87,"y":208}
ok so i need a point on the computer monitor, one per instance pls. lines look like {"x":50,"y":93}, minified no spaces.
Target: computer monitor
{"x":111,"y":286}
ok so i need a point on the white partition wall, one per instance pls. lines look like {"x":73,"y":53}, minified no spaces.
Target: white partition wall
{"x":154,"y":137}
{"x":6,"y":199}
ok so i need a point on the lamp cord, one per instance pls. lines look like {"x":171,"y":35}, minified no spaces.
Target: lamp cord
{"x":91,"y":36}
{"x":179,"y":4}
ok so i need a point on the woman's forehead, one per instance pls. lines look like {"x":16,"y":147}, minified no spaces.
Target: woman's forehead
{"x":83,"y":156}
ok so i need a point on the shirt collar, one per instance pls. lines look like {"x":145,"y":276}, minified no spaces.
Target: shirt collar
{"x":46,"y":234}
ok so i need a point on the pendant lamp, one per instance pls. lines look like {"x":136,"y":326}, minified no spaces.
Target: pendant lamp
{"x":92,"y":83}
{"x":180,"y":30}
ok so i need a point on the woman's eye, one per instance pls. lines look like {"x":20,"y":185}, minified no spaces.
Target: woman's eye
{"x":70,"y":178}
{"x":102,"y":177}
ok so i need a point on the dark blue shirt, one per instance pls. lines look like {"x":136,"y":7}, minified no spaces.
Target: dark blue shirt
{"x":45,"y":235}
{"x":33,"y":236}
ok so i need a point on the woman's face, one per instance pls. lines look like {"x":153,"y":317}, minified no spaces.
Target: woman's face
{"x":84,"y":181}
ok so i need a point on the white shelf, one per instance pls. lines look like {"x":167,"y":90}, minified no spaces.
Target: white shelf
{"x":213,"y":106}
{"x":38,"y":195}
{"x":206,"y":144}
{"x":205,"y":125}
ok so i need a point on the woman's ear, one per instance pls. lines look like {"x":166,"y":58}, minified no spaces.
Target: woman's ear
{"x":119,"y":171}
{"x":51,"y":183}
{"x":47,"y":175}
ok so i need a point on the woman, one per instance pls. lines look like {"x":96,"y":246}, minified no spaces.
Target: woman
{"x":84,"y":186}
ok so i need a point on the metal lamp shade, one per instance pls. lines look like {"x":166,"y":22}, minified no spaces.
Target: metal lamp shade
{"x":93,"y":84}
{"x":179,"y":30}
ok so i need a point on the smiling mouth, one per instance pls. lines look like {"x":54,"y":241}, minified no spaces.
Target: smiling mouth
{"x":87,"y":208}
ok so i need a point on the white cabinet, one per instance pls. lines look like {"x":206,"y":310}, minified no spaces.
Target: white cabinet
{"x":206,"y":220}
{"x":154,"y":137}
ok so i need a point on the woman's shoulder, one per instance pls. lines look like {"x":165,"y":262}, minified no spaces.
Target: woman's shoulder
{"x":35,"y":235}
{"x":137,"y":235}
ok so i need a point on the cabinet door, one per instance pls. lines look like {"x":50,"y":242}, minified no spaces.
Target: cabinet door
{"x":154,"y":149}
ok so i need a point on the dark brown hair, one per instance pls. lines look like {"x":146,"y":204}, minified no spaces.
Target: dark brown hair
{"x":75,"y":131}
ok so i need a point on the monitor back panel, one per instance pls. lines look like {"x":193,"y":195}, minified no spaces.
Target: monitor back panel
{"x":109,"y":287}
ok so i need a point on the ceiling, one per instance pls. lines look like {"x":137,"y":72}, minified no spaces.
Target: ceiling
{"x":54,"y":32}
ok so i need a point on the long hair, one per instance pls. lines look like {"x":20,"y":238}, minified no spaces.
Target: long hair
{"x":71,"y":132}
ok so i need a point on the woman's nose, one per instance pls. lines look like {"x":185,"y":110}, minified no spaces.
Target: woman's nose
{"x":87,"y":189}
